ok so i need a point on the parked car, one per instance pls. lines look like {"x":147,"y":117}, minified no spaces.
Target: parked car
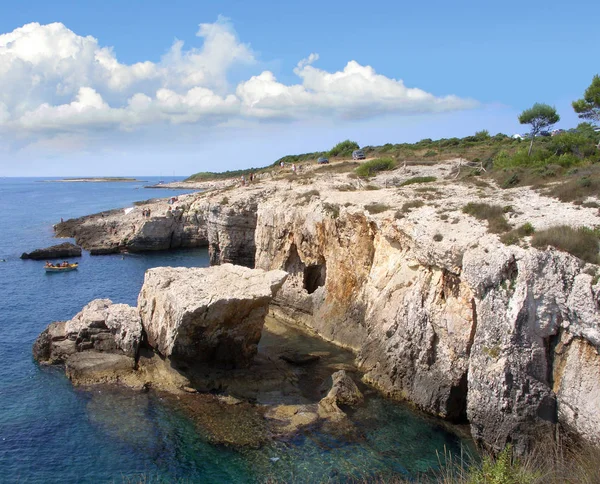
{"x":322,"y":160}
{"x":557,"y":131}
{"x":544,"y":133}
{"x":358,"y":155}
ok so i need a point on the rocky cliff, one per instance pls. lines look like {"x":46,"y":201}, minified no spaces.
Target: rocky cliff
{"x":438,"y":311}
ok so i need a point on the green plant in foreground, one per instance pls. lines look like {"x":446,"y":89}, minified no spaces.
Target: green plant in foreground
{"x":504,"y":469}
{"x":407,"y":206}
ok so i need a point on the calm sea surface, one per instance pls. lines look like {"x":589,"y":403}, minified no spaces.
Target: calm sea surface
{"x":51,"y":432}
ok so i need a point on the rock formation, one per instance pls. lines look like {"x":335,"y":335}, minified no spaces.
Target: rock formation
{"x":208,"y":315}
{"x":437,"y":309}
{"x":103,"y":337}
{"x":59,"y":251}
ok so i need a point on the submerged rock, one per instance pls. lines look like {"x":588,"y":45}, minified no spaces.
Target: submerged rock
{"x":207,"y":315}
{"x":60,"y":251}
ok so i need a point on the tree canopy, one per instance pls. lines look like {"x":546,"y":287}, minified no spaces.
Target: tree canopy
{"x":589,"y":106}
{"x":539,"y":117}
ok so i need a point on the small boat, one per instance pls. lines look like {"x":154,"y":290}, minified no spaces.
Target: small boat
{"x":58,"y":268}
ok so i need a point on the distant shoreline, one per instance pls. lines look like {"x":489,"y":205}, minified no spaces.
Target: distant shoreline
{"x":96,"y":180}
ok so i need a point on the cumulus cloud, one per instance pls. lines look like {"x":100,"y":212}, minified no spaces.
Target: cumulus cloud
{"x":56,"y":81}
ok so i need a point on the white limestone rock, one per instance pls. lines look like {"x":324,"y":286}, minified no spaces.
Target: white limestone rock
{"x":213,"y":314}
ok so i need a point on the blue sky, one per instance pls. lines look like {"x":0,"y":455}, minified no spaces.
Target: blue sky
{"x":107,"y":88}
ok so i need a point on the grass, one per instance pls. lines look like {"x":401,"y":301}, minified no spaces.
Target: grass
{"x":418,"y":179}
{"x":408,"y":206}
{"x":374,"y":208}
{"x":340,"y":167}
{"x":306,"y":197}
{"x":493,"y":214}
{"x":581,"y":242}
{"x":372,"y":167}
{"x":514,"y":236}
{"x":332,"y":209}
{"x":575,"y":189}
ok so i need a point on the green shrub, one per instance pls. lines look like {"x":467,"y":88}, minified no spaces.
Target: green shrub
{"x":430,"y":153}
{"x":332,"y":209}
{"x":581,"y":242}
{"x":224,"y":201}
{"x":370,"y":168}
{"x":418,"y":179}
{"x":374,"y":208}
{"x":504,"y":469}
{"x":438,"y":237}
{"x":408,"y":206}
{"x":372,"y":187}
{"x":344,"y":148}
{"x":482,"y":135}
{"x":514,"y":236}
{"x":575,"y":189}
{"x":493,"y":214}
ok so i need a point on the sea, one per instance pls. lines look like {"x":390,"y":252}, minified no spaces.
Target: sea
{"x":52,"y":432}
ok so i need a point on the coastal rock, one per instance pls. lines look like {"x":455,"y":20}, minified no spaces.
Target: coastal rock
{"x":59,"y":251}
{"x":207,"y":315}
{"x":343,"y":392}
{"x":93,"y":367}
{"x":100,"y":326}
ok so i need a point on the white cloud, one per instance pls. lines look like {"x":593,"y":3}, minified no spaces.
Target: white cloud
{"x":55,"y":81}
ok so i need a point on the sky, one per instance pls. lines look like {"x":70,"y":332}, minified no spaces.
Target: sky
{"x":173,"y":88}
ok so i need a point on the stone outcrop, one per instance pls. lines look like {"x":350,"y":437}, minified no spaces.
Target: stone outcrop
{"x":100,"y":342}
{"x":208,"y":315}
{"x":100,"y":325}
{"x":59,"y":251}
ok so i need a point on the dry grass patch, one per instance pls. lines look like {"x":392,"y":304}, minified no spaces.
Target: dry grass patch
{"x":307,"y":196}
{"x":418,"y":179}
{"x":341,"y":167}
{"x":408,"y":206}
{"x":374,"y":208}
{"x":581,"y":242}
{"x":514,"y":236}
{"x":493,"y":214}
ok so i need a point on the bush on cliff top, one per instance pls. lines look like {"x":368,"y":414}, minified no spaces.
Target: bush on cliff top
{"x":493,"y":214}
{"x":581,"y":242}
{"x":370,"y":168}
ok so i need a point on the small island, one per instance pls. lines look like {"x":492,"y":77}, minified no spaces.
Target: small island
{"x":97,"y":179}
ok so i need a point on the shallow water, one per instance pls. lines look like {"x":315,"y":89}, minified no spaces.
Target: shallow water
{"x":51,"y":432}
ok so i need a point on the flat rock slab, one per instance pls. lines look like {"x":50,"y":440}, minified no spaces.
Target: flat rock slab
{"x":213,"y":314}
{"x":93,"y":367}
{"x":60,"y":251}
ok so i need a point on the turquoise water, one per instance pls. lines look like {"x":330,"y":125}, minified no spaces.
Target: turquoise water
{"x":51,"y":432}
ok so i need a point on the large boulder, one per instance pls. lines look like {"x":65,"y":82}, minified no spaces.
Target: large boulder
{"x":100,"y":326}
{"x":60,"y":251}
{"x":213,"y":314}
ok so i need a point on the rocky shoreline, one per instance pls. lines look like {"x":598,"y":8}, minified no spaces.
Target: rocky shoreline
{"x":437,"y":310}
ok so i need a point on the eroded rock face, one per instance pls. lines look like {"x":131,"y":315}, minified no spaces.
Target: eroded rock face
{"x":211,"y":315}
{"x":470,"y":330}
{"x":100,"y":326}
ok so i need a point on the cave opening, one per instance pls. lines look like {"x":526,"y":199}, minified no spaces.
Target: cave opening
{"x":314,"y":277}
